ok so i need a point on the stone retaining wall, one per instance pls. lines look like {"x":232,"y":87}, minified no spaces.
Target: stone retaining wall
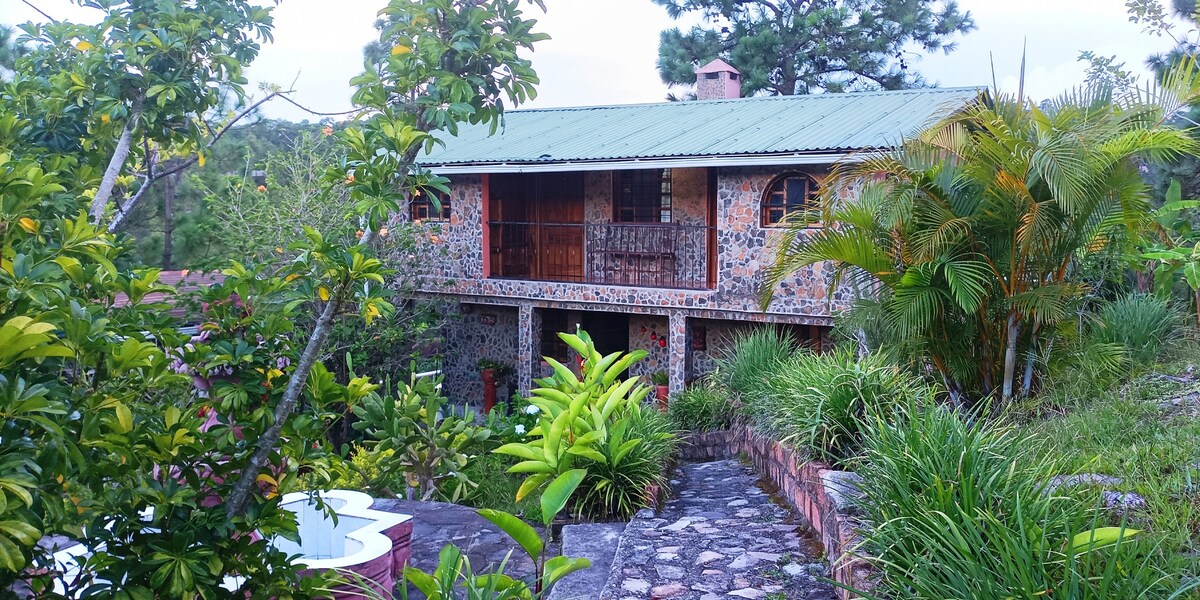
{"x":820,"y":493}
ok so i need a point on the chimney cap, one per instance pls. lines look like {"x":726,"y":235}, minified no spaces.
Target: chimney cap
{"x":717,"y":66}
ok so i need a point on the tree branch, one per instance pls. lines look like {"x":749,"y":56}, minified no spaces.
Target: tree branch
{"x":40,"y":11}
{"x":236,"y":503}
{"x":109,"y":181}
{"x":151,"y":177}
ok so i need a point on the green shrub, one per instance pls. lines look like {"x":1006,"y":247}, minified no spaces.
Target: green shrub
{"x":432,"y":443}
{"x":594,"y":423}
{"x":616,"y":488}
{"x":747,"y":363}
{"x":818,"y":402}
{"x":956,"y":508}
{"x":702,"y":407}
{"x":1139,"y":322}
{"x":367,"y":471}
{"x":496,"y":488}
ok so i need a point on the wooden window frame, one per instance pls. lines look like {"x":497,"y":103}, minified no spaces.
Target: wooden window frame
{"x":767,"y":207}
{"x":664,"y":208}
{"x":420,"y":210}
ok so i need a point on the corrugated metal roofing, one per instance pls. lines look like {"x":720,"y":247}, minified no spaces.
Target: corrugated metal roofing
{"x":743,"y":126}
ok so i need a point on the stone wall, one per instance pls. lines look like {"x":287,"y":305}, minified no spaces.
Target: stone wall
{"x":470,"y":338}
{"x":822,"y":495}
{"x":645,"y":333}
{"x":744,"y":248}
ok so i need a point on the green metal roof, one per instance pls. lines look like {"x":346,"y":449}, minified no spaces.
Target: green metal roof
{"x":769,"y":125}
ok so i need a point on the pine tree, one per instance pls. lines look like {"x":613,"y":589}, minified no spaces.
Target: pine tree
{"x":785,"y":47}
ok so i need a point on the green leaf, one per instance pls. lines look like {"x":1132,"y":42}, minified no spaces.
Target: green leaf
{"x":531,"y":483}
{"x":560,"y":566}
{"x":588,"y":453}
{"x":520,"y":531}
{"x":1100,"y":537}
{"x":559,"y":492}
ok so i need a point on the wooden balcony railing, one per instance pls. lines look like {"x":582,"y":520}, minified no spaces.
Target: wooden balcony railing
{"x":663,"y":255}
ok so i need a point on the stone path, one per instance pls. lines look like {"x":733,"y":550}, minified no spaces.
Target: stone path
{"x":436,"y":524}
{"x":721,"y":538}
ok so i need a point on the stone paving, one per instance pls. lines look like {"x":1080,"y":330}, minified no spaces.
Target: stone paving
{"x":436,"y":524}
{"x":720,"y":538}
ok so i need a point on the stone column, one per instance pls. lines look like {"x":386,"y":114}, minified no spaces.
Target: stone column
{"x":529,"y":335}
{"x":679,"y":350}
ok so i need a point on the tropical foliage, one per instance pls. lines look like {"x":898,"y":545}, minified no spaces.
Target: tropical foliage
{"x":167,"y":455}
{"x":595,"y":423}
{"x":973,"y":231}
{"x":964,"y":508}
{"x":819,"y":402}
{"x":428,"y":443}
{"x":702,"y":407}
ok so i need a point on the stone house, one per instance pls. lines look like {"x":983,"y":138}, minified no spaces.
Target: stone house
{"x":647,"y":225}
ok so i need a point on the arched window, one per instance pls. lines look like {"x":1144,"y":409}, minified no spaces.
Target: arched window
{"x":789,"y":193}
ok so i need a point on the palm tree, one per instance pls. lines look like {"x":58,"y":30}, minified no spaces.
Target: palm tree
{"x":971,"y":233}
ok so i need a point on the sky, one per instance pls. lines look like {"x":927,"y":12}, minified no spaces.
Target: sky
{"x":603,"y":51}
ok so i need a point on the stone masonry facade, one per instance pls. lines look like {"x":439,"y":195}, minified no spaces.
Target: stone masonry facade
{"x":744,"y":248}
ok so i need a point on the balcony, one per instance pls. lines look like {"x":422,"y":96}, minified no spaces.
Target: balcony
{"x":659,"y":255}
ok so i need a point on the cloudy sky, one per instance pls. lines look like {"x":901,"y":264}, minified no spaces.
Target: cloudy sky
{"x":603,"y":51}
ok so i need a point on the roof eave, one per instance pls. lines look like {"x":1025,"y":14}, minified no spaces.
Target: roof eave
{"x":622,"y":164}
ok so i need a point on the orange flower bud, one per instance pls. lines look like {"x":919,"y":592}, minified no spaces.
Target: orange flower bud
{"x":262,"y":188}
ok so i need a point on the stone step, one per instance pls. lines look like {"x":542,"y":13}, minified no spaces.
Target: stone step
{"x":596,"y":542}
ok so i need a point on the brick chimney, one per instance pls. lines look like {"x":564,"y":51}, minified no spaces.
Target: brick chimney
{"x":718,"y":80}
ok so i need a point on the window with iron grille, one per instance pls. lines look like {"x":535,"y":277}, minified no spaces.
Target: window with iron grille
{"x":643,"y":196}
{"x":422,"y":208}
{"x":788,"y":194}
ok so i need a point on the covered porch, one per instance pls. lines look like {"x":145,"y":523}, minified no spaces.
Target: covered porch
{"x":645,"y":228}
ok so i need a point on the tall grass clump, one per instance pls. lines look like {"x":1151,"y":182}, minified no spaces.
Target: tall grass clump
{"x":1141,"y":323}
{"x":703,"y":407}
{"x":747,"y":364}
{"x":616,"y":488}
{"x":956,"y":508}
{"x":819,"y":402}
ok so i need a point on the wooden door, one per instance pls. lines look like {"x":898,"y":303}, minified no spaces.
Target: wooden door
{"x":511,"y":220}
{"x":560,"y":223}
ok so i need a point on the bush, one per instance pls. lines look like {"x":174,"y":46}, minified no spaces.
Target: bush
{"x":496,"y":489}
{"x":1139,"y":322}
{"x":367,"y":471}
{"x":701,"y":408}
{"x":616,"y":488}
{"x":432,"y":443}
{"x":746,"y":364}
{"x":594,"y":426}
{"x":818,"y":402}
{"x":961,"y":509}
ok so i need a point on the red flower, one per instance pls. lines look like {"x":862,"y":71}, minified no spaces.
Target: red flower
{"x":662,"y":343}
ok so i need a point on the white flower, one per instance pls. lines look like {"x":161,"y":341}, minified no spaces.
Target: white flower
{"x":520,"y":429}
{"x":532,"y":410}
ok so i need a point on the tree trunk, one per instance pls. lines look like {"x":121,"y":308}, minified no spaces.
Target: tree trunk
{"x":1196,"y":295}
{"x":1010,"y":355}
{"x":169,"y":186}
{"x":1027,"y":378}
{"x":115,"y":164}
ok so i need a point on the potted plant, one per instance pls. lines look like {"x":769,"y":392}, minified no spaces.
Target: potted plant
{"x":662,"y":388}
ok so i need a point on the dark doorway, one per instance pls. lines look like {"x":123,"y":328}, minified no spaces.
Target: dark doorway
{"x":610,"y":331}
